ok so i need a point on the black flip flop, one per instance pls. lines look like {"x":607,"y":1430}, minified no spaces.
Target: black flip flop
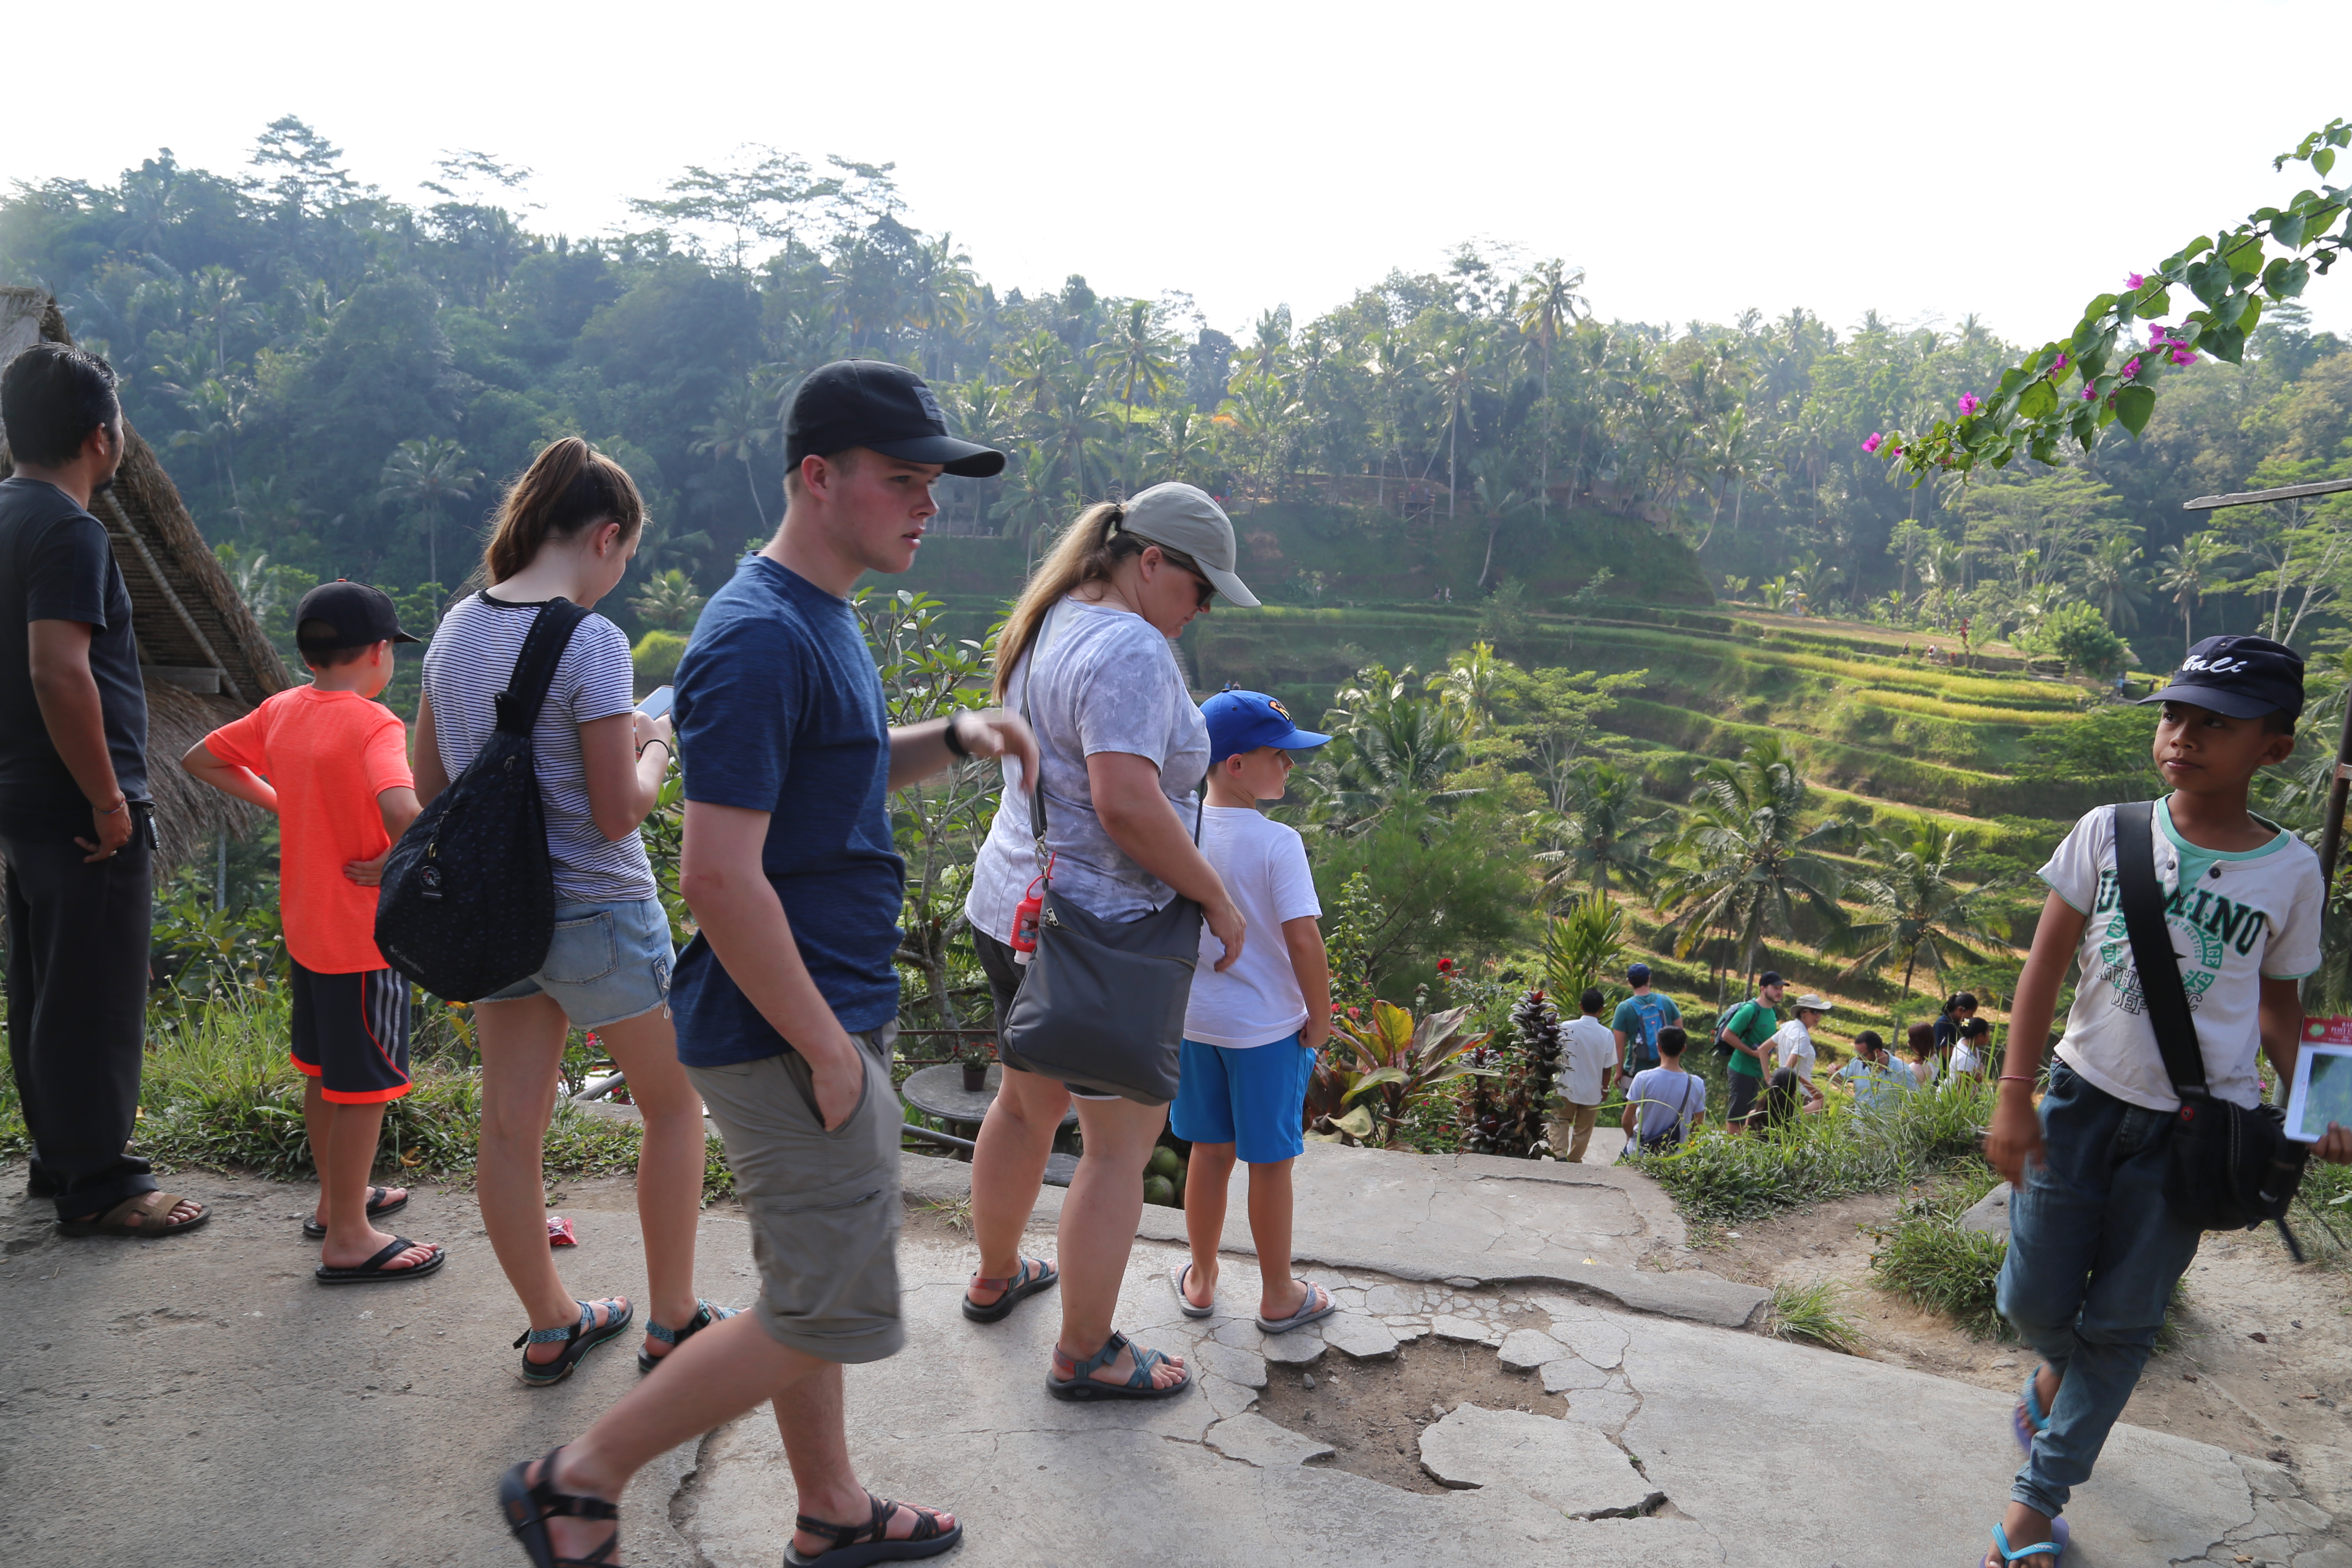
{"x":373,"y":1269}
{"x":1022,"y":1285}
{"x":312,"y":1229}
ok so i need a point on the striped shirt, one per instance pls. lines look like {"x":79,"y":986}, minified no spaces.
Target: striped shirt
{"x":471,"y":659}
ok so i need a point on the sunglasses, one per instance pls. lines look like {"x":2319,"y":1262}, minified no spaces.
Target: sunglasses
{"x":1184,"y":563}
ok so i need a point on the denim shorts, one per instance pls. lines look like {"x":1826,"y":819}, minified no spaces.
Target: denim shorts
{"x":608,"y":963}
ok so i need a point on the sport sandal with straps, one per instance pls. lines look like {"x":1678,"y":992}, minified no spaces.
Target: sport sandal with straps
{"x":705,"y":1314}
{"x":854,"y":1544}
{"x":1034,"y":1275}
{"x":1082,"y":1384}
{"x":529,"y":1504}
{"x":578,"y":1339}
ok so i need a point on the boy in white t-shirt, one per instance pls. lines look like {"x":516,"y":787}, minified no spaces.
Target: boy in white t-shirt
{"x":2094,"y":1249}
{"x":1251,"y":1033}
{"x":1588,"y":1058}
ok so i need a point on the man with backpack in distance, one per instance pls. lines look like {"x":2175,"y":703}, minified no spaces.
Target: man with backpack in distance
{"x":787,"y":999}
{"x":1638,"y":1019}
{"x":1746,"y":1032}
{"x":2096,"y":1247}
{"x":76,"y":824}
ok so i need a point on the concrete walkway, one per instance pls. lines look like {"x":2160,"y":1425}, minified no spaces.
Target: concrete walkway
{"x":203,"y":1402}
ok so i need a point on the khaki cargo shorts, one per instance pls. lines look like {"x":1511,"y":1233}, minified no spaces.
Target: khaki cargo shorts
{"x":824,"y":1207}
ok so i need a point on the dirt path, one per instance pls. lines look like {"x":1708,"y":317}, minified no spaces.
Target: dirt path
{"x":2263,"y":1365}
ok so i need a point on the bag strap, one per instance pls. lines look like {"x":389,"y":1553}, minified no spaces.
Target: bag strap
{"x":2152,"y":953}
{"x":534,"y":669}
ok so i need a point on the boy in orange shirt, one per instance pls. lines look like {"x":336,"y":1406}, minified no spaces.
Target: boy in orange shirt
{"x":334,"y":764}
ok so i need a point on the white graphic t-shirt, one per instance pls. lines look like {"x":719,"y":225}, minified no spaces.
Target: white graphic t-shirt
{"x":2237,"y":917}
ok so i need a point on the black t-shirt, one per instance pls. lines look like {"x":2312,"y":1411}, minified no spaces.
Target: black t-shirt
{"x":56,"y":565}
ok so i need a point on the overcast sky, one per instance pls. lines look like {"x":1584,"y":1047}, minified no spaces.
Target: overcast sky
{"x":2005,"y":159}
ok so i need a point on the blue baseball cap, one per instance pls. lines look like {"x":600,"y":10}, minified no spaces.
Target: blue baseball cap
{"x":1243,"y":721}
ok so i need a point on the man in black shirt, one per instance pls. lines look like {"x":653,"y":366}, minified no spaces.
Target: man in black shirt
{"x":75,"y":823}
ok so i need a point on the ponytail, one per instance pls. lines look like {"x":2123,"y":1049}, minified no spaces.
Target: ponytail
{"x":1089,"y":551}
{"x":568,"y":487}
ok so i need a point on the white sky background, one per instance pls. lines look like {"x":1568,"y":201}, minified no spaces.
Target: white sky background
{"x":2006,"y":159}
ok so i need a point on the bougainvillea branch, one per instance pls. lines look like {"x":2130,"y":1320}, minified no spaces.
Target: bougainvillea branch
{"x":2072,"y":390}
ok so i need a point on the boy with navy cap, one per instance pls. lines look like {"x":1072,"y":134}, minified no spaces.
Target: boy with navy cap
{"x":2094,"y":1249}
{"x":1251,"y":1031}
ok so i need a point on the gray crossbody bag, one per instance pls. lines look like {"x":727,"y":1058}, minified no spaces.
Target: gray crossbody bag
{"x":1101,"y":1004}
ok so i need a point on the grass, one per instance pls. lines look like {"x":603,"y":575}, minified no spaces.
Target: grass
{"x":1928,"y":1260}
{"x":1815,"y":1313}
{"x":1722,"y":1179}
{"x":218,"y":1092}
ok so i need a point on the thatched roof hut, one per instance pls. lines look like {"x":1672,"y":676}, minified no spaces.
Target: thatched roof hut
{"x":206,"y":659}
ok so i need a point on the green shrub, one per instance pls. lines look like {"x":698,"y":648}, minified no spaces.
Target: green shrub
{"x":656,"y":657}
{"x":1931,"y":1262}
{"x":2081,"y":635}
{"x":1815,"y":1313}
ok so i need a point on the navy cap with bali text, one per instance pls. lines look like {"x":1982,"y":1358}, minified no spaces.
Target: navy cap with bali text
{"x":2238,"y":677}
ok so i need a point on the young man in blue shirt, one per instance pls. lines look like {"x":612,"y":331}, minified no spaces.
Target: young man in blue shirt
{"x":787,"y":1000}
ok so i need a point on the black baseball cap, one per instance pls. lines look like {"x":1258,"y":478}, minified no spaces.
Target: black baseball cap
{"x":884,"y":408}
{"x":2243,"y":677}
{"x":359,"y":615}
{"x":1770,"y":978}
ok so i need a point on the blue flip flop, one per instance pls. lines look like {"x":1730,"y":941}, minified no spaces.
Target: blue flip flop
{"x":2056,"y":1546}
{"x":2029,"y":1420}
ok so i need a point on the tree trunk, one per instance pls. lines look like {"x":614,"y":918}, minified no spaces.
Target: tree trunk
{"x":753,"y":486}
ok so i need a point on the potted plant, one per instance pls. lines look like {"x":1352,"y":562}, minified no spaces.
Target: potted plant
{"x":975,"y":1056}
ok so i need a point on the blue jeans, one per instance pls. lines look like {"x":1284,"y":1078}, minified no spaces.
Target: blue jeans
{"x":2093,"y":1254}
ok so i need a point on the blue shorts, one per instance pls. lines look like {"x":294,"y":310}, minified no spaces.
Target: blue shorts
{"x":1255,"y":1099}
{"x":609,"y":963}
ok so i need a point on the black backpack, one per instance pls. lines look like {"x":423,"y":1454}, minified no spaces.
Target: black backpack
{"x":467,"y":906}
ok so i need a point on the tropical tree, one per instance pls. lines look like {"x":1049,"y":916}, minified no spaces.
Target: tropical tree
{"x":431,"y":475}
{"x":1140,"y":358}
{"x":1583,"y":945}
{"x":1390,"y":746}
{"x":1915,"y":906}
{"x":1452,"y":368}
{"x":668,"y":601}
{"x":2113,"y":580}
{"x":739,"y":424}
{"x":1548,"y":307}
{"x":1596,"y":830}
{"x":2187,"y":571}
{"x":1744,"y":860}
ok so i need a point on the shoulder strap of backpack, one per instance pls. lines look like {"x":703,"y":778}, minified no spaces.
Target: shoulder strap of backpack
{"x":534,"y":669}
{"x":2157,"y":964}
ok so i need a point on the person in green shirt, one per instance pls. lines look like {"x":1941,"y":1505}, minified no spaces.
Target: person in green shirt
{"x":1637,"y":1021}
{"x":1747,"y":1029}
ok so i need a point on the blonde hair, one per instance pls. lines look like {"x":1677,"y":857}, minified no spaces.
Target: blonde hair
{"x":569,"y":486}
{"x":1089,"y":551}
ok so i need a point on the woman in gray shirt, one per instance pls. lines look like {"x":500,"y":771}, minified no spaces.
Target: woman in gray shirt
{"x":1122,"y":749}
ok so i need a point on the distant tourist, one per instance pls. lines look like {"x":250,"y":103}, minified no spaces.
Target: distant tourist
{"x":1877,"y":1079}
{"x":1925,"y":1066}
{"x":2095,"y":1248}
{"x":1792,"y":1046}
{"x":1252,"y":1029}
{"x":77,"y":826}
{"x":1973,"y":1050}
{"x":1958,"y":1009}
{"x":1638,"y":1019}
{"x":1663,"y":1103}
{"x":331,"y":763}
{"x":1589,"y":1054}
{"x":1746,"y":1031}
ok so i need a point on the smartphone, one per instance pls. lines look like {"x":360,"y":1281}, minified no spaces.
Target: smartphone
{"x":657,"y":702}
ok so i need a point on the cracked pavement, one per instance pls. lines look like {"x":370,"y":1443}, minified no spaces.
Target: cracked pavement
{"x":201,"y":1402}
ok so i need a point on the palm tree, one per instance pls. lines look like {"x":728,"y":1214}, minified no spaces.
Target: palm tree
{"x":1452,"y":369}
{"x":1391,"y":748}
{"x":1744,"y":859}
{"x":1597,"y":831}
{"x":216,"y":409}
{"x":428,"y":475}
{"x":1389,"y":366}
{"x":670,"y":601}
{"x":1183,"y":443}
{"x":1138,"y":359}
{"x":1026,"y":500}
{"x":1549,"y":308}
{"x":1914,"y":907}
{"x":739,"y":426}
{"x":2186,"y":571}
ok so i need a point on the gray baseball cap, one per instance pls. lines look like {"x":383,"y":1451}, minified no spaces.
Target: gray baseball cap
{"x":1183,"y":517}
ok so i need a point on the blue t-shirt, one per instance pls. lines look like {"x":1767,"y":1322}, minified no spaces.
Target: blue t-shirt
{"x":780,"y":710}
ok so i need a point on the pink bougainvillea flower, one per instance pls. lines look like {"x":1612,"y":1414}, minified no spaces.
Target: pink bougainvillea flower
{"x":2182,"y":356}
{"x":2159,"y":335}
{"x":2134,"y":281}
{"x":1969,"y":403}
{"x":1872,"y":445}
{"x":1894,"y":451}
{"x":2132,"y":369}
{"x":2061,"y":365}
{"x":2090,"y":392}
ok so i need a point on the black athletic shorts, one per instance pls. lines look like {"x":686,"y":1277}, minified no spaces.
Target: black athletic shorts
{"x":350,"y":1033}
{"x":1745,"y":1091}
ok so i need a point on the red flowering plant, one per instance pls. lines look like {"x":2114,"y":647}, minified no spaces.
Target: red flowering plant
{"x":2230,"y":275}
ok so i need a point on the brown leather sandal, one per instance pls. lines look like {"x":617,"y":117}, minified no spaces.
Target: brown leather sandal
{"x":149,"y":1214}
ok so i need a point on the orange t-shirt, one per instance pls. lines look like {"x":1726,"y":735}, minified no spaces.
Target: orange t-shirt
{"x":329,"y":754}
